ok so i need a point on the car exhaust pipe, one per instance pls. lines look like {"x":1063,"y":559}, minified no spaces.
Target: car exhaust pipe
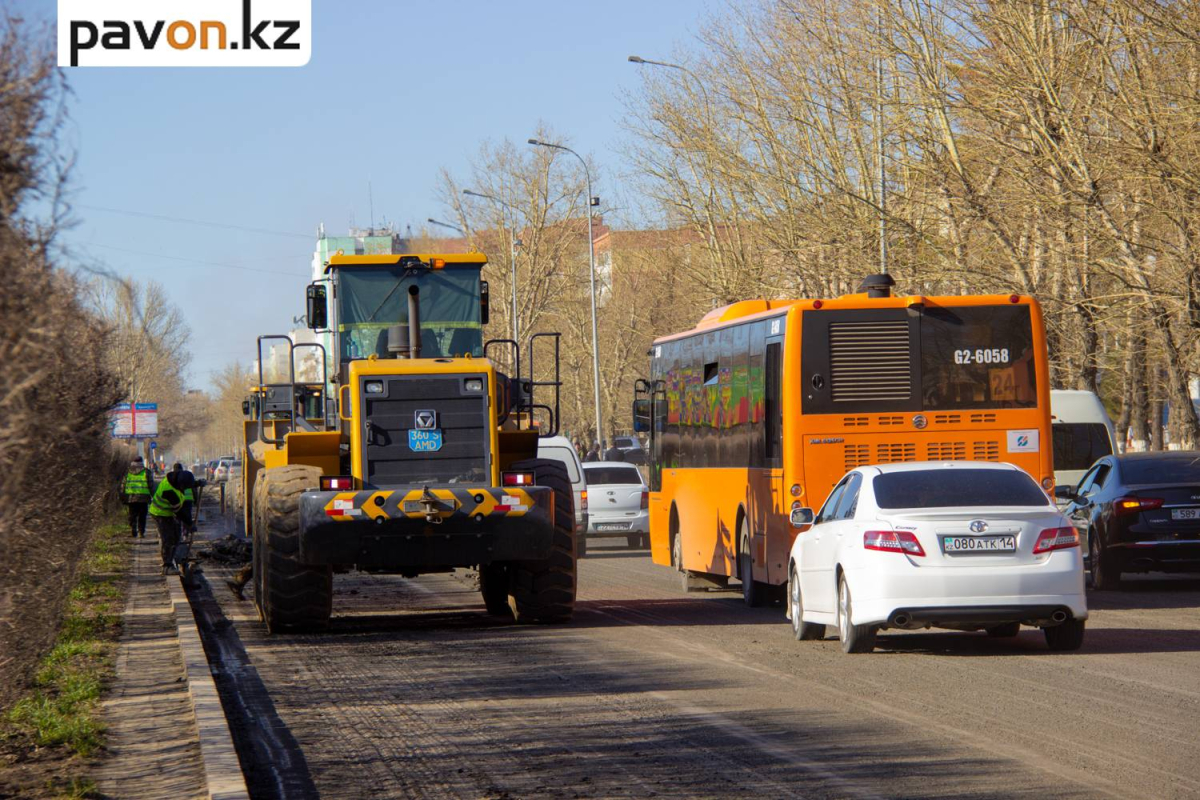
{"x":1059,"y":616}
{"x":900,"y":620}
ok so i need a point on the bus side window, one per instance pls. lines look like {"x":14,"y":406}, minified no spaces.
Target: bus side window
{"x":773,"y":429}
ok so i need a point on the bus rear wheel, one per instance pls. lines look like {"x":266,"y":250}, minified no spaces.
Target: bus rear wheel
{"x":754,"y":592}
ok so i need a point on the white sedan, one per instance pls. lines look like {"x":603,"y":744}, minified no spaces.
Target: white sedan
{"x":961,"y":545}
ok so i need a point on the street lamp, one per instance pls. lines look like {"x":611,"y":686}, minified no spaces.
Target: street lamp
{"x":514,"y":243}
{"x":433,"y":221}
{"x":681,"y":68}
{"x":591,"y":201}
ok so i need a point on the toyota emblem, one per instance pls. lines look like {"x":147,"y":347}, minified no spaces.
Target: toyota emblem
{"x":919,"y":422}
{"x":978,"y":526}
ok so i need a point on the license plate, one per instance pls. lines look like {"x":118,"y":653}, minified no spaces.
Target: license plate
{"x":424,"y":441}
{"x":1185,"y":513}
{"x":979,"y":544}
{"x":613,"y":526}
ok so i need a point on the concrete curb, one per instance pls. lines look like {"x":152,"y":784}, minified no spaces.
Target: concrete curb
{"x":222,"y":770}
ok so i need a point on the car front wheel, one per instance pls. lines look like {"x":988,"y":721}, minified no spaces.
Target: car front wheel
{"x":804,"y":631}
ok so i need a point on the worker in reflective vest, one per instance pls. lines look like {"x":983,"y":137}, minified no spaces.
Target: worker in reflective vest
{"x":136,"y":487}
{"x":165,"y":506}
{"x":187,"y":483}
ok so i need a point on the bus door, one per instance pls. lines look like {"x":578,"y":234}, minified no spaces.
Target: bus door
{"x":774,"y":531}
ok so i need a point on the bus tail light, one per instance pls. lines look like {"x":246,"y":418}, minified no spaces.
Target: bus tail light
{"x":1133,"y":505}
{"x":1056,"y":539}
{"x":645,"y":500}
{"x":893,"y":542}
{"x":1047,"y":483}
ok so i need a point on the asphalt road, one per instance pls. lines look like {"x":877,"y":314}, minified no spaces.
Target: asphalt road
{"x":416,"y":692}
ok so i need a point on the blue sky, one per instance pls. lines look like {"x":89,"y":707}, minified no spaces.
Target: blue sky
{"x":394,"y":91}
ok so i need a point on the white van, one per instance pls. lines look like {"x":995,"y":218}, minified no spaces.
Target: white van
{"x":1082,"y":433}
{"x":559,"y":448}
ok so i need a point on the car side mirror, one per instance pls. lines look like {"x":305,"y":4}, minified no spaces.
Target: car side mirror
{"x":484,"y":303}
{"x":1065,"y":493}
{"x":317,"y":309}
{"x":802,"y":518}
{"x":641,"y":415}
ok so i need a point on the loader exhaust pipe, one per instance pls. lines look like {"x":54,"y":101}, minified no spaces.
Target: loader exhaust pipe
{"x":414,"y":322}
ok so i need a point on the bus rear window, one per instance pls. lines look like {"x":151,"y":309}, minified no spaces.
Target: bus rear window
{"x":977,"y":357}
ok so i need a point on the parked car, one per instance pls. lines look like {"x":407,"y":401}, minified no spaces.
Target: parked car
{"x":1082,"y":433}
{"x":1139,"y":512}
{"x":210,"y":470}
{"x":960,"y":545}
{"x":618,"y":502}
{"x":559,"y":448}
{"x":221,"y":471}
{"x":631,"y":449}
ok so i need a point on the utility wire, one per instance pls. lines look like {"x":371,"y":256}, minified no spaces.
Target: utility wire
{"x":183,"y":221}
{"x":195,"y":260}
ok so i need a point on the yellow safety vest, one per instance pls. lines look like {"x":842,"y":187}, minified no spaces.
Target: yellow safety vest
{"x":137,"y":482}
{"x":161,"y":504}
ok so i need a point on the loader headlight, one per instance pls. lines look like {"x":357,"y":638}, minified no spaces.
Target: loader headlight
{"x":473,"y":385}
{"x":373,"y":387}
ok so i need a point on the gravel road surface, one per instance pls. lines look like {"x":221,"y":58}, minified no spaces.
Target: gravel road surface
{"x":416,"y":692}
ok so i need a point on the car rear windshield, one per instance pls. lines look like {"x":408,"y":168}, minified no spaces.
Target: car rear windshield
{"x":600,"y":476}
{"x":1078,"y":445}
{"x":949,"y":488}
{"x":1176,"y":469}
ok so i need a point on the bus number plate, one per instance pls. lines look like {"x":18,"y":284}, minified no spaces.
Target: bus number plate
{"x":424,"y":441}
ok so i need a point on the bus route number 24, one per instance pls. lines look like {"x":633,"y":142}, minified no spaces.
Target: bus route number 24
{"x":995,"y":355}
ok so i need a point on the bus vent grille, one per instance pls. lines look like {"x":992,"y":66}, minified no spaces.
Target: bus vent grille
{"x":983,"y":418}
{"x":985,"y":451}
{"x":946,"y":451}
{"x":869,"y":361}
{"x":891,"y":420}
{"x":857,"y":455}
{"x":947,"y":419}
{"x":855,"y":422}
{"x":889,"y":453}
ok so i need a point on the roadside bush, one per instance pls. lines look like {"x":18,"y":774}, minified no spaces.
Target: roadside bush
{"x":55,"y":461}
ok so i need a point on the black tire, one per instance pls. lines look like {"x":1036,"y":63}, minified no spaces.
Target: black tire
{"x":855,"y":638}
{"x":544,"y":591}
{"x":804,"y":631}
{"x":1065,"y":637}
{"x":644,"y":541}
{"x":1006,"y":631}
{"x":754,"y":593}
{"x":493,"y":585}
{"x":290,"y":595}
{"x":581,"y":546}
{"x":1104,"y":576}
{"x":633,"y":541}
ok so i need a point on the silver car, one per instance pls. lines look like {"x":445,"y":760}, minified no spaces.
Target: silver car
{"x":618,"y":502}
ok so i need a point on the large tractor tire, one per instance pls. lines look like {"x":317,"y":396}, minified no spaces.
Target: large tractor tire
{"x":544,"y":591}
{"x":290,"y":595}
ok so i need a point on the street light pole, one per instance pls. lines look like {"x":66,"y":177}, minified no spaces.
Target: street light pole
{"x":433,"y":221}
{"x":512,"y":252}
{"x":592,"y":266}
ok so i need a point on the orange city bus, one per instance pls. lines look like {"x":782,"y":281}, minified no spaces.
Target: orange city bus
{"x":767,"y":403}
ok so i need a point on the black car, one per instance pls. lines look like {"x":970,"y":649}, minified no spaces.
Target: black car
{"x":1139,"y":512}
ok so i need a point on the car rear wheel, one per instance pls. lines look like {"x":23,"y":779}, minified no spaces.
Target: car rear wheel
{"x":1065,"y":637}
{"x":804,"y":631}
{"x":855,"y":638}
{"x":1104,"y":576}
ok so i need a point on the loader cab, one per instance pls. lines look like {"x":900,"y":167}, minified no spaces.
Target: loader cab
{"x":371,"y":294}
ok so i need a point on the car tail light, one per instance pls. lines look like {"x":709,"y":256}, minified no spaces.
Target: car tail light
{"x":583,"y":499}
{"x":1132,"y":505}
{"x":1056,"y":539}
{"x":336,"y":483}
{"x":517,"y":478}
{"x":645,"y":500}
{"x":893,"y":542}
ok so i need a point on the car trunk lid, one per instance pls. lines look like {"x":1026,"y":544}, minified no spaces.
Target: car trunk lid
{"x":958,"y":538}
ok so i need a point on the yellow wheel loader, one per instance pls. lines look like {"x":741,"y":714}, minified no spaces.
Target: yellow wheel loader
{"x":410,"y":452}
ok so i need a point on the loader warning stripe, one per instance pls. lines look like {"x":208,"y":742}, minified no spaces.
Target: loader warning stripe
{"x":385,"y":504}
